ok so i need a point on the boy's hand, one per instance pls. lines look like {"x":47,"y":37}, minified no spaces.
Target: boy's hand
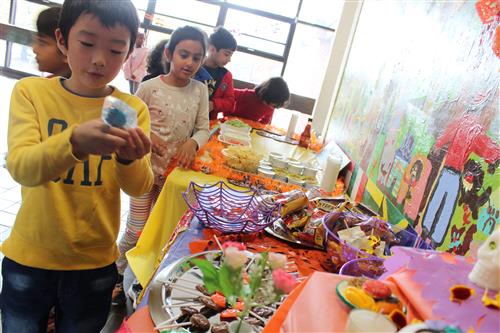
{"x":158,"y":145}
{"x":186,"y":153}
{"x":138,"y":146}
{"x":95,"y":137}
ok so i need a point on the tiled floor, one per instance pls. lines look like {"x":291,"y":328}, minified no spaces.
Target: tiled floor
{"x":10,"y":191}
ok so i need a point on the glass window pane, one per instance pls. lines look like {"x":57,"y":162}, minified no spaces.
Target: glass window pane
{"x":141,"y":4}
{"x":141,"y":14}
{"x":272,"y":6}
{"x":304,"y":77}
{"x":260,"y":44}
{"x":23,"y":59}
{"x":189,"y":10}
{"x":3,"y":45}
{"x":27,"y":13}
{"x":154,"y":37}
{"x":257,"y":26}
{"x":324,"y":13}
{"x":171,"y":23}
{"x":254,"y":69}
{"x":4,"y":11}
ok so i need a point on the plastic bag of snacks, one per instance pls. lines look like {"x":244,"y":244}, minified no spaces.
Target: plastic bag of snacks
{"x":117,"y":113}
{"x":291,"y":201}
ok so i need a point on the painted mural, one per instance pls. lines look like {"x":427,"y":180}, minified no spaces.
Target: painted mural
{"x":418,"y":114}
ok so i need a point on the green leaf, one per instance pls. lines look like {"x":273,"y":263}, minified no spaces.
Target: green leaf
{"x":225,"y":283}
{"x":210,"y":274}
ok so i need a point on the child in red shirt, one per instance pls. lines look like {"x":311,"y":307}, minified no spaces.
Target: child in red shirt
{"x":258,"y":104}
{"x":220,"y":89}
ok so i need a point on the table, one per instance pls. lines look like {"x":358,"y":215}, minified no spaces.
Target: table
{"x":145,"y":257}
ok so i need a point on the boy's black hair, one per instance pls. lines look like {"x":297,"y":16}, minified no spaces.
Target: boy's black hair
{"x":109,"y":12}
{"x":156,"y":65}
{"x":222,"y":39}
{"x":275,"y":91}
{"x":187,"y":33}
{"x":46,"y":22}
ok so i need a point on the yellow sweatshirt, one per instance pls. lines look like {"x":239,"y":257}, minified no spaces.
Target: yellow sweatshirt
{"x":70,"y":212}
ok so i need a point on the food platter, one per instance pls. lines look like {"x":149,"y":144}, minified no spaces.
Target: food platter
{"x":179,"y":286}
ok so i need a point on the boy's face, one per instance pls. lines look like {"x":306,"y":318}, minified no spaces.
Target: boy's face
{"x":221,"y":57}
{"x":95,"y":54}
{"x":48,"y":56}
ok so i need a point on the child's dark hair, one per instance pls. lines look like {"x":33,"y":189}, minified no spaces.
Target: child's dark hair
{"x":156,"y":65}
{"x":46,"y":22}
{"x":107,"y":11}
{"x":187,"y":33}
{"x":222,"y":39}
{"x":273,"y":91}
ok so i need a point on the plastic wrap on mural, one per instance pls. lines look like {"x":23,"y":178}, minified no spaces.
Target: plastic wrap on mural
{"x":418,"y":114}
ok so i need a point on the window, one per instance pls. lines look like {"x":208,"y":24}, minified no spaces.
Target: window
{"x":320,"y":12}
{"x":2,"y":52}
{"x":258,"y":33}
{"x":4,"y":11}
{"x":27,"y":13}
{"x":254,"y":69}
{"x":288,"y":9}
{"x":188,"y":10}
{"x":174,"y":23}
{"x":154,"y":37}
{"x":141,"y":4}
{"x":23,"y":59}
{"x":274,"y":37}
{"x":308,"y":59}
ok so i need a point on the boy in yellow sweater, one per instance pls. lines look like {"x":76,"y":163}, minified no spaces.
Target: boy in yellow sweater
{"x":62,"y":249}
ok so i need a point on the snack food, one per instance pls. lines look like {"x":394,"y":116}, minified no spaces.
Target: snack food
{"x":117,"y":113}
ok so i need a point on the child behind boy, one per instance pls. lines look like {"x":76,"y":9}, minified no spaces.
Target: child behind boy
{"x":178,"y":106}
{"x":258,"y":104}
{"x":62,"y":248}
{"x":135,"y":66}
{"x":47,"y":54}
{"x":220,"y":50}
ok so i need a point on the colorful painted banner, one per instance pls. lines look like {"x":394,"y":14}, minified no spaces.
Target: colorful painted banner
{"x":418,"y":113}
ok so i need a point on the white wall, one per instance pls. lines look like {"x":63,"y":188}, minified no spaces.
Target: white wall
{"x":338,"y":58}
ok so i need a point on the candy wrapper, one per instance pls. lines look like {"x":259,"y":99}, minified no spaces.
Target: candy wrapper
{"x":313,"y":231}
{"x":117,"y":113}
{"x":291,"y":201}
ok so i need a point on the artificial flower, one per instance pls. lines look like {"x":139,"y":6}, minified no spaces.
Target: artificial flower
{"x":277,"y":260}
{"x":234,"y":258}
{"x":239,"y":246}
{"x":284,"y":281}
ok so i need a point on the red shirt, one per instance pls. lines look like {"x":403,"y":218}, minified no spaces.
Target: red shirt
{"x":223,"y":96}
{"x":248,"y":105}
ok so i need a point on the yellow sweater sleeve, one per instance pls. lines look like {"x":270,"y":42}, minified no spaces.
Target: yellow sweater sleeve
{"x":30,"y":161}
{"x":137,"y":177}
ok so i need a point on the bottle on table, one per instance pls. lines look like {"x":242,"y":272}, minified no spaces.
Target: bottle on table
{"x":305,"y":137}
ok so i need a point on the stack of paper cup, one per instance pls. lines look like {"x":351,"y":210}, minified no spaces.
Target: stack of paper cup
{"x":331,"y":172}
{"x":291,"y":126}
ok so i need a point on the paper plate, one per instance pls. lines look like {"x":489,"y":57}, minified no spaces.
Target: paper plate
{"x":341,"y":287}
